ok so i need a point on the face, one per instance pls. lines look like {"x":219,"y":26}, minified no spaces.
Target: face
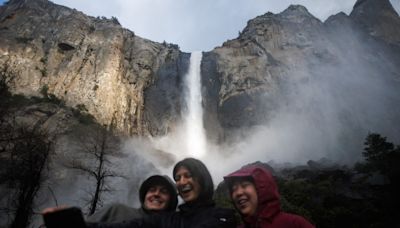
{"x":244,"y":196}
{"x":156,"y":198}
{"x":188,"y":187}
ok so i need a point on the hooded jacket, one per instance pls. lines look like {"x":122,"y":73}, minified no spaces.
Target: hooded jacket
{"x":268,"y":213}
{"x":120,"y":212}
{"x":159,"y":180}
{"x":201,"y":213}
{"x":201,"y":174}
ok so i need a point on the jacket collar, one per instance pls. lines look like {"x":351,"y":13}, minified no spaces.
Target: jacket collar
{"x":192,"y":207}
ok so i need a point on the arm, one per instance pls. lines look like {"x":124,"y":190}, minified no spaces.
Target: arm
{"x":63,"y":217}
{"x":72,"y":217}
{"x":115,"y":213}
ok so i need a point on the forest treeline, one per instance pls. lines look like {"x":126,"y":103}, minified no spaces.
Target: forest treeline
{"x":332,"y":195}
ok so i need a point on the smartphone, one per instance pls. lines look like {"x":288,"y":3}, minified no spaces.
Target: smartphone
{"x":69,"y":217}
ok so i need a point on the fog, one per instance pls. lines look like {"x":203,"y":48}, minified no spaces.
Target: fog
{"x":65,"y":186}
{"x":327,"y":107}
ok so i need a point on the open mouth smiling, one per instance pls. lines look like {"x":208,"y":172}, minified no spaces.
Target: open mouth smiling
{"x":242,"y":202}
{"x":156,"y":201}
{"x":185,"y":189}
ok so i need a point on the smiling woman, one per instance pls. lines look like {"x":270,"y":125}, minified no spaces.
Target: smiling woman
{"x":255,"y":195}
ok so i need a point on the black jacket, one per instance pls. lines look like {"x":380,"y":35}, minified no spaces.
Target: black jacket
{"x":119,"y":212}
{"x":116,"y":213}
{"x":201,"y":215}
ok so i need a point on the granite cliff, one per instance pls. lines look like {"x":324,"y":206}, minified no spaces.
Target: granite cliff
{"x":91,"y":63}
{"x":279,"y":62}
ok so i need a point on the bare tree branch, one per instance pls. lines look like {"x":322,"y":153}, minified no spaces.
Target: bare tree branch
{"x":95,"y":147}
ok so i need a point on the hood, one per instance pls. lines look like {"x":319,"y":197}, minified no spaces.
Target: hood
{"x":159,"y":180}
{"x":267,"y":190}
{"x":201,"y":174}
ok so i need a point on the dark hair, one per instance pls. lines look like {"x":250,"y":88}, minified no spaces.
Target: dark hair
{"x":199,"y":173}
{"x":159,"y":180}
{"x":229,"y":181}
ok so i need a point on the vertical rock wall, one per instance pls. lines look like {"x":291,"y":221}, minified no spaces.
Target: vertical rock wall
{"x":89,"y":62}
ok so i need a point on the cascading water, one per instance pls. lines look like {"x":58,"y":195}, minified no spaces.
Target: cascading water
{"x":195,"y":134}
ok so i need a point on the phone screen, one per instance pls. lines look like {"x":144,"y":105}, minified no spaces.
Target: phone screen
{"x":70,"y":217}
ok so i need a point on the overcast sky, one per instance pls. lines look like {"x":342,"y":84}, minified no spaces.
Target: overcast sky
{"x":198,"y":24}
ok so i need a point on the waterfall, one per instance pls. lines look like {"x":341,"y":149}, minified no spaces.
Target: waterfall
{"x":195,"y":134}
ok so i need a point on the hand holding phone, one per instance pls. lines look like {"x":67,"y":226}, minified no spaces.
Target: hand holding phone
{"x":63,"y":218}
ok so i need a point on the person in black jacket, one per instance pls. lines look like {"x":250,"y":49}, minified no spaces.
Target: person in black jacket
{"x":195,"y":186}
{"x":157,"y":193}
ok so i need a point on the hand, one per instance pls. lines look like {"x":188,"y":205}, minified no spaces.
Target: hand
{"x":63,"y":217}
{"x":54,"y":209}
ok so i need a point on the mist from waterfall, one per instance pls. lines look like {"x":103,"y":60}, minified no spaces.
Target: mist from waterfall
{"x":193,"y":117}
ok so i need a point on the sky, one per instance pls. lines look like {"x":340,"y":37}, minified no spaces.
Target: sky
{"x":198,"y":25}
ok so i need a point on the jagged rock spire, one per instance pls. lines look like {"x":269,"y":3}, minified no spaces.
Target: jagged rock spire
{"x":379,"y":18}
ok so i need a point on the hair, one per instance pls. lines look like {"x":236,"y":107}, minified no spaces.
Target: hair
{"x":232,"y":180}
{"x":200,"y":174}
{"x":159,"y":180}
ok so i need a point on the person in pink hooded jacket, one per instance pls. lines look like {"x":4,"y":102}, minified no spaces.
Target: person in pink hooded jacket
{"x":255,"y":195}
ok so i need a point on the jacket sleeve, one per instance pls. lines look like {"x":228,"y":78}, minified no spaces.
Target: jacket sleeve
{"x":128,"y":224}
{"x":152,"y":221}
{"x":301,"y":222}
{"x":115,"y":213}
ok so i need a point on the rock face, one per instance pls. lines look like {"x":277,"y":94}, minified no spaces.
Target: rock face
{"x":279,"y":61}
{"x":378,"y":18}
{"x":251,"y":68}
{"x":92,"y":63}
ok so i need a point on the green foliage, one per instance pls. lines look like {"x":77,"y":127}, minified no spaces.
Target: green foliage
{"x":323,"y":199}
{"x":92,"y":28}
{"x":55,"y":100}
{"x":9,"y":100}
{"x":3,"y":88}
{"x":81,"y":113}
{"x":44,"y":90}
{"x":44,"y":72}
{"x":382,"y":157}
{"x":19,"y":100}
{"x":365,"y":195}
{"x":377,"y":148}
{"x":43,"y":59}
{"x":81,"y":108}
{"x":49,"y":97}
{"x":115,"y":20}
